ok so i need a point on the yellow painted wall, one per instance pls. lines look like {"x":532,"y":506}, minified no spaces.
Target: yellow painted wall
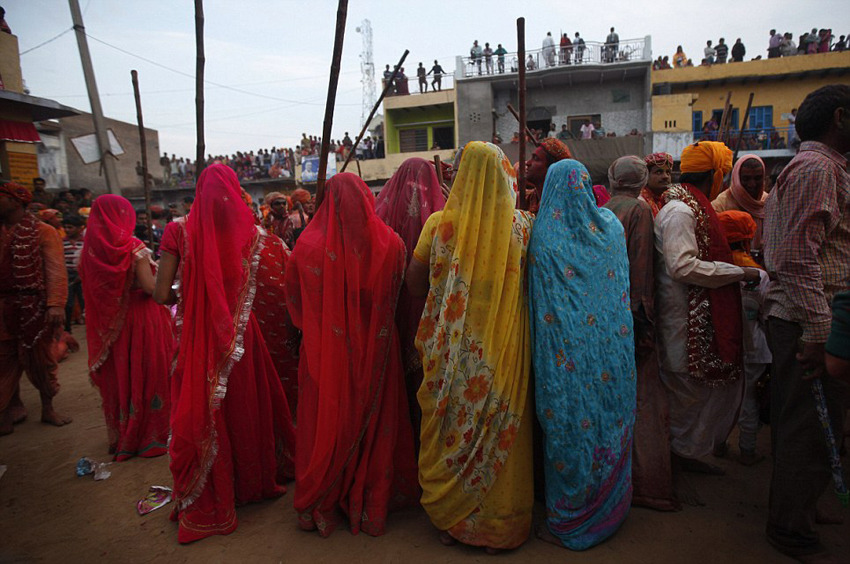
{"x":672,"y":112}
{"x":783,"y":95}
{"x":10,"y":63}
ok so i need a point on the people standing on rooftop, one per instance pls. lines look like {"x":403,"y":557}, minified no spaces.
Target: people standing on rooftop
{"x":738,"y":51}
{"x":549,"y":49}
{"x":722,"y":51}
{"x":773,"y":45}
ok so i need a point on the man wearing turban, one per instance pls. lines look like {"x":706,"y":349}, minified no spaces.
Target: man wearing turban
{"x":652,"y":480}
{"x":699,"y":312}
{"x":275,"y":211}
{"x":33,"y":292}
{"x":550,"y":150}
{"x":660,"y":168}
{"x":746,"y":193}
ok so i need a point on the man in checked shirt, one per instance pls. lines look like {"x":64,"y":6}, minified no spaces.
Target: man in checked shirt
{"x":807,"y":253}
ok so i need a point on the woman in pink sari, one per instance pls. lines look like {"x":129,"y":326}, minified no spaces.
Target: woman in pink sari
{"x":407,"y":200}
{"x":231,"y":430}
{"x":130,"y":340}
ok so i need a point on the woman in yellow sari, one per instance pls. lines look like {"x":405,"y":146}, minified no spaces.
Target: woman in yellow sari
{"x":475,"y":463}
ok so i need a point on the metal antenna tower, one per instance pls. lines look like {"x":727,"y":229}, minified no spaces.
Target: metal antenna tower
{"x":367,"y":71}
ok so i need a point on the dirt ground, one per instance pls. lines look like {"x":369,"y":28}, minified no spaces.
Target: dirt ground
{"x":47,"y":514}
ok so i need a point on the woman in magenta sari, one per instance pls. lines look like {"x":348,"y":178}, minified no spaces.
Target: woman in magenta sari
{"x":407,"y":200}
{"x":231,"y":429}
{"x":130,"y":339}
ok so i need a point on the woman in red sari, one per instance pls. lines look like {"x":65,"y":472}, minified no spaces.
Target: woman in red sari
{"x":407,"y":200}
{"x":130,"y":339}
{"x":354,"y":441}
{"x":231,"y":430}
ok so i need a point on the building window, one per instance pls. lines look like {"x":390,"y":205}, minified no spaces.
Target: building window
{"x":444,"y":137}
{"x":574,"y":123}
{"x":412,"y":140}
{"x":733,"y":121}
{"x":697,"y":121}
{"x":761,"y":117}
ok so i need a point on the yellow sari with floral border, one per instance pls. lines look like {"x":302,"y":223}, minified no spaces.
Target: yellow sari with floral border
{"x":475,"y":462}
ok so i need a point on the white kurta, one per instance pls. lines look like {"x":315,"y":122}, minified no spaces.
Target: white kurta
{"x":700,"y":416}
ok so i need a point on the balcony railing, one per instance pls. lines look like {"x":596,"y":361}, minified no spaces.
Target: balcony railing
{"x":761,"y":139}
{"x":591,"y":53}
{"x":410,"y":84}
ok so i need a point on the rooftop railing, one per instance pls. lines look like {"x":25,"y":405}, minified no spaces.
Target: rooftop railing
{"x":756,"y":139}
{"x":410,"y":84}
{"x":590,"y":53}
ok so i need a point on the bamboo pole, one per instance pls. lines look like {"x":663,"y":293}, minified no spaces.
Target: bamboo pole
{"x":720,"y":129}
{"x":200,"y":61}
{"x":377,"y":105}
{"x":144,"y":148}
{"x":527,"y":130}
{"x":743,"y":126}
{"x":341,"y":14}
{"x":521,"y":179}
{"x":439,"y":168}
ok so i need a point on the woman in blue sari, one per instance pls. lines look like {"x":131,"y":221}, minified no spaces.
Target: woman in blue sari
{"x":583,"y":357}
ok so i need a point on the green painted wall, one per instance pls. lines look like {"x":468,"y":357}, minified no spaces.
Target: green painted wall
{"x":402,"y":118}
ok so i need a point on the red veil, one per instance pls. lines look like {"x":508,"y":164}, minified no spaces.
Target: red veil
{"x":354,"y":443}
{"x":218,"y":262}
{"x":106,"y":270}
{"x":405,"y":203}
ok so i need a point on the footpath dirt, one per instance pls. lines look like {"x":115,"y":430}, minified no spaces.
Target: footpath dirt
{"x":47,"y":514}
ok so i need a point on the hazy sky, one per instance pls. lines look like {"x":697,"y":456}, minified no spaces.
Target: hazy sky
{"x":267,"y":61}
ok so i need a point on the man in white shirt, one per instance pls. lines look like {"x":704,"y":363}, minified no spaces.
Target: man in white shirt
{"x":698,"y":321}
{"x":709,"y":53}
{"x":549,"y":49}
{"x":587,"y":130}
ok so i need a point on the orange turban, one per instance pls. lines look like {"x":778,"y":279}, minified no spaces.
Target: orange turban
{"x":737,"y":225}
{"x":556,"y":149}
{"x":17,"y":192}
{"x":301,"y":196}
{"x":708,"y":155}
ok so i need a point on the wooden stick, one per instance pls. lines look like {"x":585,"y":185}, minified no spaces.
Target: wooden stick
{"x":527,"y":130}
{"x":438,"y":165}
{"x":341,"y":14}
{"x":377,"y":105}
{"x":723,"y":116}
{"x":743,"y":126}
{"x":359,"y":172}
{"x":200,"y":61}
{"x":144,"y":149}
{"x":521,"y":179}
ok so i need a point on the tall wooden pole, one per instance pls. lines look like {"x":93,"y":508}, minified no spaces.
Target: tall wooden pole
{"x":200,"y":61}
{"x":107,"y":159}
{"x":144,"y":148}
{"x":743,"y":126}
{"x":520,"y":37}
{"x":722,"y":124}
{"x":439,"y":167}
{"x":341,"y":14}
{"x":377,"y":105}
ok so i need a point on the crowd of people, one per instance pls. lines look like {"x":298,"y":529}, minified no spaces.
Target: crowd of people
{"x":779,"y":45}
{"x":393,"y":351}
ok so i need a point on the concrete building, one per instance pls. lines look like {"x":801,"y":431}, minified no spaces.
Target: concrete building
{"x":685,"y":100}
{"x":611,"y":91}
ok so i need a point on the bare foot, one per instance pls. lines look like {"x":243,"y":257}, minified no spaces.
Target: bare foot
{"x":542,"y":532}
{"x":446,"y":538}
{"x":18,"y":413}
{"x":49,"y":415}
{"x":750,"y":458}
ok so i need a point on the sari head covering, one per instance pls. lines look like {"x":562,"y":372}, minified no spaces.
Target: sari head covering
{"x":354,"y":439}
{"x":584,"y":358}
{"x":218,"y":267}
{"x":106,"y":269}
{"x":708,"y":155}
{"x":16,"y":192}
{"x":753,"y":206}
{"x":628,"y":174}
{"x":600,"y":195}
{"x":408,"y":198}
{"x":473,"y":339}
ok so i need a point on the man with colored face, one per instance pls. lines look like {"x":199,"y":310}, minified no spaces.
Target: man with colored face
{"x":660,"y":167}
{"x":550,"y":151}
{"x":746,"y":193}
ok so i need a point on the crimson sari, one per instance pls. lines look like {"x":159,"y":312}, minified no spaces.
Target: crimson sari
{"x":354,"y":441}
{"x":231,"y":427}
{"x":405,"y":203}
{"x":130,"y":338}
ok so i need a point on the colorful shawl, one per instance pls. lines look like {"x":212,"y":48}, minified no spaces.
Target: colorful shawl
{"x":714,"y":318}
{"x":475,"y":457}
{"x":354,"y":443}
{"x":584,"y":358}
{"x":106,"y":269}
